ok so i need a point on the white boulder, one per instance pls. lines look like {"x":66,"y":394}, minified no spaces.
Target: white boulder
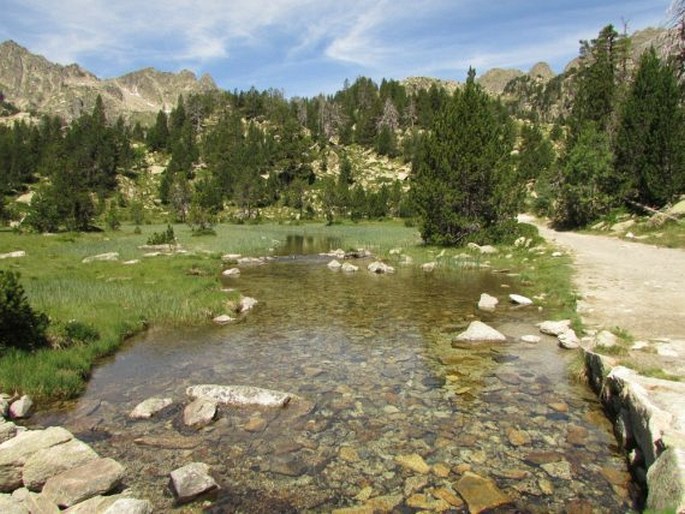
{"x":487,"y":303}
{"x":478,"y":331}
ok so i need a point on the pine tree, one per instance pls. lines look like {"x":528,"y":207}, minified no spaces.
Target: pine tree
{"x":536,"y":154}
{"x":464,"y":186}
{"x":650,"y":143}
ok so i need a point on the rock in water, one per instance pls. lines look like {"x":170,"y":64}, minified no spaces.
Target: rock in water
{"x":554,"y":328}
{"x":568,"y":339}
{"x":334,"y":265}
{"x":21,"y":408}
{"x":97,"y":477}
{"x":429,"y":266}
{"x":149,"y":408}
{"x":480,"y":493}
{"x":191,"y":481}
{"x":55,"y":460}
{"x":247,"y":303}
{"x":232,"y":272}
{"x":487,"y":303}
{"x":223,"y":319}
{"x":240,"y":395}
{"x":349,"y":268}
{"x":379,"y":268}
{"x":480,"y":332}
{"x":199,"y":413}
{"x":520,"y":300}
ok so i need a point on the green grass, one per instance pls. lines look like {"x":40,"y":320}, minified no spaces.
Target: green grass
{"x":184,"y":289}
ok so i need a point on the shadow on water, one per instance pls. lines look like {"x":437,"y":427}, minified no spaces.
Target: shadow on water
{"x":372,"y":361}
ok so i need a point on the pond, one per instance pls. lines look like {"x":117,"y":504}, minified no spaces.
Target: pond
{"x":371,"y":357}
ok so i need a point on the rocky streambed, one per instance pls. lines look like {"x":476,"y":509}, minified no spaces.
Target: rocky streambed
{"x":389,"y":411}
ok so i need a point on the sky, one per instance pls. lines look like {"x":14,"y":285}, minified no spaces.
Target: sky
{"x":305,"y":47}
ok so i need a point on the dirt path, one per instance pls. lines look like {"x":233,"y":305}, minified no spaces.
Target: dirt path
{"x":639,"y":288}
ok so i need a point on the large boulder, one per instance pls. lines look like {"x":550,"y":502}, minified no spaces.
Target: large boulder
{"x":478,"y":331}
{"x":148,"y":408}
{"x":99,"y":476}
{"x":191,"y":481}
{"x":55,"y":460}
{"x":240,"y":395}
{"x":15,"y":452}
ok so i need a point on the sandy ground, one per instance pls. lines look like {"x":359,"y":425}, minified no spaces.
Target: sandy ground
{"x":637,"y":287}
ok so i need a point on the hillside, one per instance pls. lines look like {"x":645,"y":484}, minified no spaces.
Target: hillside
{"x":32,"y":83}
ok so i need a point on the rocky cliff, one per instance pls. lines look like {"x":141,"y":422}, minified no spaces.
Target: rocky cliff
{"x":32,"y":83}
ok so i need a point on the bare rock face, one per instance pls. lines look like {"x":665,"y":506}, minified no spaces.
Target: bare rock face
{"x":191,"y":481}
{"x":480,"y":332}
{"x":239,"y":395}
{"x":9,"y":505}
{"x":97,"y":477}
{"x":55,"y":460}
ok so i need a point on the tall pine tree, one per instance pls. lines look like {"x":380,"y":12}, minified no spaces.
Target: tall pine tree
{"x":464,"y":185}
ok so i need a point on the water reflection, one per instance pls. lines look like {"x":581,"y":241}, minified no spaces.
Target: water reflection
{"x":371,"y":358}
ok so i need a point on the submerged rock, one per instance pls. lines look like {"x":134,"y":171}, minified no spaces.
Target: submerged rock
{"x":150,"y":407}
{"x":334,"y":265}
{"x":349,"y":268}
{"x":480,"y":332}
{"x":414,"y":462}
{"x":240,"y":395}
{"x":480,"y":493}
{"x":192,"y":480}
{"x":199,"y":413}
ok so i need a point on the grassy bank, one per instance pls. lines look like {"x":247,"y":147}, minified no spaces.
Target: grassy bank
{"x":182,"y":289}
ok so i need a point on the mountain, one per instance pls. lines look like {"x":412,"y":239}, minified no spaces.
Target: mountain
{"x":32,"y":83}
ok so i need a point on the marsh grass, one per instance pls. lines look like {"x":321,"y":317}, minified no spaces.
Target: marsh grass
{"x":120,"y":300}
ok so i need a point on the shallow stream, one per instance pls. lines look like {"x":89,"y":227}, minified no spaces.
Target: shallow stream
{"x":371,"y":356}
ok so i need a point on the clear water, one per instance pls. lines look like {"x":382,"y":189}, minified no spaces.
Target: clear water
{"x":372,"y":360}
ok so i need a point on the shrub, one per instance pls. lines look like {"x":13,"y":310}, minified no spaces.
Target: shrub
{"x":74,"y":332}
{"x":20,"y":326}
{"x":163,"y":238}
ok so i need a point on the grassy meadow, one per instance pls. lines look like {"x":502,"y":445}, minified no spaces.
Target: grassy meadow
{"x":119,"y":299}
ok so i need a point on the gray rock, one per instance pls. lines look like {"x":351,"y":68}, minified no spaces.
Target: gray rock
{"x":191,"y":481}
{"x":97,"y":477}
{"x":531,"y":339}
{"x":334,"y":265}
{"x":429,"y":267}
{"x":554,"y":328}
{"x":231,"y":257}
{"x":223,"y":319}
{"x":7,"y":430}
{"x":109,"y":256}
{"x":622,"y":226}
{"x":606,"y":339}
{"x":39,"y":504}
{"x":569,"y":339}
{"x":21,"y":408}
{"x":199,"y":412}
{"x":149,"y":408}
{"x":129,"y":506}
{"x":666,"y":480}
{"x":485,"y":249}
{"x":247,"y":303}
{"x":487,"y":303}
{"x":15,"y":452}
{"x":13,"y":255}
{"x":349,"y":268}
{"x":380,"y":268}
{"x":480,"y":332}
{"x":520,"y":300}
{"x":52,"y":461}
{"x":239,"y":395}
{"x":9,"y":505}
{"x":231,"y":272}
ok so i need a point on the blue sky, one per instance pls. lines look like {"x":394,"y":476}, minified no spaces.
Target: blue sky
{"x":304,"y":47}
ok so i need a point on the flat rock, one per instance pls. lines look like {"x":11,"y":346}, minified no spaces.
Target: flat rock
{"x":21,"y":408}
{"x":231,"y":257}
{"x":199,"y":412}
{"x":414,"y":462}
{"x":13,"y":255}
{"x":129,"y":506}
{"x":554,"y":328}
{"x":223,"y":319}
{"x":480,"y":332}
{"x":39,"y":504}
{"x":520,"y":300}
{"x":52,"y":461}
{"x":606,"y":339}
{"x":240,"y":395}
{"x":487,"y":303}
{"x":109,"y":256}
{"x":192,"y":480}
{"x":16,"y":451}
{"x":231,"y":272}
{"x":480,"y":493}
{"x":518,"y":437}
{"x":255,"y":424}
{"x":569,"y":339}
{"x":334,"y":265}
{"x":148,"y":408}
{"x":531,"y":339}
{"x":170,"y":442}
{"x":97,"y":477}
{"x":7,"y":430}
